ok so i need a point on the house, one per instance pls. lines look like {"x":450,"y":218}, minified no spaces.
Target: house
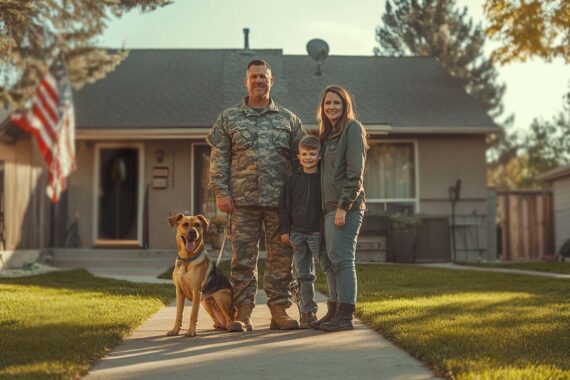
{"x":559,"y":180}
{"x":141,"y":153}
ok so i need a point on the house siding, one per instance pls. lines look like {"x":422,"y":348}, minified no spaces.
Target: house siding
{"x":442,"y":161}
{"x":161,"y":202}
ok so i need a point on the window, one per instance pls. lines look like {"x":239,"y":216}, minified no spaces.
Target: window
{"x":390,"y":176}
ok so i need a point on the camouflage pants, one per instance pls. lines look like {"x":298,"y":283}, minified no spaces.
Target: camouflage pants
{"x":246,"y":230}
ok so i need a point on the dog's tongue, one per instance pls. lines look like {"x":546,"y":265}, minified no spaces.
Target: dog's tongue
{"x":190,"y":245}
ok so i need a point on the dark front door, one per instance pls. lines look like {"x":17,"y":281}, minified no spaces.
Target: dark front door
{"x":118,"y":212}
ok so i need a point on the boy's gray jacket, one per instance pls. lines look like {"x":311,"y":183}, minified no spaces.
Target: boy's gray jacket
{"x":253,"y":153}
{"x":342,"y":169}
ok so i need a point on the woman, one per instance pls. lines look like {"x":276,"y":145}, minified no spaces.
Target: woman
{"x":343,"y":142}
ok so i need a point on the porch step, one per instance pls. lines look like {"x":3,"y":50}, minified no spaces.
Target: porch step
{"x":133,"y":259}
{"x":371,"y":248}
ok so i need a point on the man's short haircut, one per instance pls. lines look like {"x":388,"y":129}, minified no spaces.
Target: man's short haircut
{"x":259,"y":62}
{"x":310,"y":142}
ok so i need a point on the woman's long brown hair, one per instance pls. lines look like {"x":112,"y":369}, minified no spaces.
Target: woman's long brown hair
{"x":348,"y":112}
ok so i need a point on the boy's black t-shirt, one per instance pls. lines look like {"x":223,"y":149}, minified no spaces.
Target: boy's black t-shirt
{"x":300,"y":203}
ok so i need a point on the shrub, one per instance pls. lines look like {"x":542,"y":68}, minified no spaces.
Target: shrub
{"x":565,"y":249}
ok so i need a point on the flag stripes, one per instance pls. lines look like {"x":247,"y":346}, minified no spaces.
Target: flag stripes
{"x":50,"y":118}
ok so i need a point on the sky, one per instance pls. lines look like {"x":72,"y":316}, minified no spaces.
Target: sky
{"x":534,"y":89}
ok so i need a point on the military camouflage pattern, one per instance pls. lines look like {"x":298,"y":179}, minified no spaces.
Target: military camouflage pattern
{"x":252,"y":153}
{"x":246,"y":231}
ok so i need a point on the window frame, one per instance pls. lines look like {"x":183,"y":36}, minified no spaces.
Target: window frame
{"x":416,"y":200}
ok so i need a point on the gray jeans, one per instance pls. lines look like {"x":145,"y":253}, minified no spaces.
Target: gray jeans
{"x":305,"y":249}
{"x":338,"y":262}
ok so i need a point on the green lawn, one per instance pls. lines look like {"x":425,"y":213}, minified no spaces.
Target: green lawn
{"x":470,"y":325}
{"x":552,"y":267}
{"x":54,"y":325}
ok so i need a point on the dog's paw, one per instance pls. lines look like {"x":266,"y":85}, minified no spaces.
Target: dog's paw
{"x":190,"y":334}
{"x":172,"y":333}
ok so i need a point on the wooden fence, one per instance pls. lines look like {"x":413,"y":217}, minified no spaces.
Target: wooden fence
{"x":525,"y":225}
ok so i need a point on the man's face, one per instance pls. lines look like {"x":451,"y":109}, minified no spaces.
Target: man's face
{"x":308,"y":158}
{"x":258,"y":82}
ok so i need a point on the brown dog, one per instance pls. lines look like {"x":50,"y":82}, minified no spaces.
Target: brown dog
{"x":196,"y":278}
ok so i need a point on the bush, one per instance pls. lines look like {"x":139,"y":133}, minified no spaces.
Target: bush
{"x":565,"y":249}
{"x":402,"y":221}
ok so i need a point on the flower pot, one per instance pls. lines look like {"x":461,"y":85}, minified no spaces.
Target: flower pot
{"x":402,"y":246}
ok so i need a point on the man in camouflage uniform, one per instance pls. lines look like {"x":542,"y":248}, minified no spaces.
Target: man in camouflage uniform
{"x":254,"y":147}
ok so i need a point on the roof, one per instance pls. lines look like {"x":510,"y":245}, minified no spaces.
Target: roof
{"x":189,"y":87}
{"x":561,"y":172}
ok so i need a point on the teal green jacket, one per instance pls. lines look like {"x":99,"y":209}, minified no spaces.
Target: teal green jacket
{"x":342,"y":169}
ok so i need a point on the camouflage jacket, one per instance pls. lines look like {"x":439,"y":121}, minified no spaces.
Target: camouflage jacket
{"x":253,"y":153}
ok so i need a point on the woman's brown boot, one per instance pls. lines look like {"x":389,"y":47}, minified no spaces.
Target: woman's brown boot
{"x":331,"y":311}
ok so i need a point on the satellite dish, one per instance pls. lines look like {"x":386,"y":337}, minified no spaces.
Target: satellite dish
{"x":318,"y":49}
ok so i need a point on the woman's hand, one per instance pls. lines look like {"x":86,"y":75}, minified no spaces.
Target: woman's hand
{"x":340,"y":217}
{"x":285,"y":238}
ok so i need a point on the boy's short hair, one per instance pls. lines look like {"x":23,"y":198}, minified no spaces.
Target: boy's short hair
{"x":310,"y":142}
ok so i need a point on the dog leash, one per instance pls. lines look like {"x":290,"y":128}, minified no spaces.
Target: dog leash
{"x":223,"y":242}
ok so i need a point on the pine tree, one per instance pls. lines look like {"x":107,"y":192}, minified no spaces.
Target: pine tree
{"x":32,"y":32}
{"x":437,"y":28}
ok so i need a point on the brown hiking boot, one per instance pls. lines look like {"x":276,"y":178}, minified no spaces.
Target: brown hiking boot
{"x":242,"y":321}
{"x":280,"y":320}
{"x":306,"y":319}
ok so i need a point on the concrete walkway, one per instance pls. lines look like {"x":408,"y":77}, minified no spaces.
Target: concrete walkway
{"x":497,"y":270}
{"x":261,"y":354}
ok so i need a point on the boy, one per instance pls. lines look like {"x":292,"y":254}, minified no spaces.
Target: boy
{"x":300,"y":219}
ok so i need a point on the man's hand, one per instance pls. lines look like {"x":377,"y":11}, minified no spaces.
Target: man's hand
{"x":340,"y":217}
{"x":285,"y":238}
{"x":225,"y":204}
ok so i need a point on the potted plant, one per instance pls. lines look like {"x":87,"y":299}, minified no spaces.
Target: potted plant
{"x":216,"y":229}
{"x":403,"y":237}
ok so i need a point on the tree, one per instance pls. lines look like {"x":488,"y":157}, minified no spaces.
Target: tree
{"x":32,"y":32}
{"x":544,"y":148}
{"x":531,"y":28}
{"x":439,"y":29}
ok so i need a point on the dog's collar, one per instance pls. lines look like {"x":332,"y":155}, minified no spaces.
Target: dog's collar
{"x":181,"y":260}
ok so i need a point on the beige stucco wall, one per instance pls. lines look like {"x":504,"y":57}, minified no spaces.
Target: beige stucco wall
{"x":162,"y":202}
{"x":561,"y":194}
{"x":443,"y":160}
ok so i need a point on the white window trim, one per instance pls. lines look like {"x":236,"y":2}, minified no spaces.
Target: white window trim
{"x":193,"y":171}
{"x":416,"y":199}
{"x":140,"y":195}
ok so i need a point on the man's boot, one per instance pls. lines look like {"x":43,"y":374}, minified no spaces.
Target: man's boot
{"x":342,"y":320}
{"x":331,"y":311}
{"x":242,"y":321}
{"x":280,"y":320}
{"x":306,"y":319}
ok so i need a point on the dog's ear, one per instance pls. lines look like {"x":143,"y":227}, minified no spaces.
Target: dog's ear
{"x":174,"y":219}
{"x":204,"y":220}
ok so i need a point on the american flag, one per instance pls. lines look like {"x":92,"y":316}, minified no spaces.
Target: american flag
{"x":50,"y":118}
